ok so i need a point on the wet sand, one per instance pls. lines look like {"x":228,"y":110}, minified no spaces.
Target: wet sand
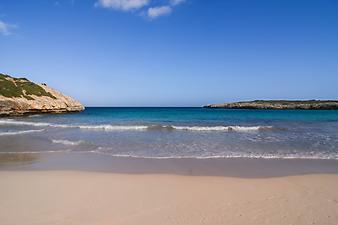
{"x":73,"y":197}
{"x":236,"y":167}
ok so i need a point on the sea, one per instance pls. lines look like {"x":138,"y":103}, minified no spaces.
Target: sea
{"x":176,"y":133}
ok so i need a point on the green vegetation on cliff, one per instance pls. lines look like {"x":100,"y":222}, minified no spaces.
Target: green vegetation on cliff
{"x":11,"y":87}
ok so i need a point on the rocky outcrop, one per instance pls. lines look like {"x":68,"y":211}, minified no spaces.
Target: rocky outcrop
{"x":19,"y":96}
{"x":278,"y":104}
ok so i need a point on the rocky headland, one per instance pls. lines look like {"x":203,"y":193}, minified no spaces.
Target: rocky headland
{"x":279,"y":104}
{"x":19,"y":96}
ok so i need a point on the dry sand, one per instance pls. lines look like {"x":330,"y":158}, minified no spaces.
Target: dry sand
{"x":81,"y":198}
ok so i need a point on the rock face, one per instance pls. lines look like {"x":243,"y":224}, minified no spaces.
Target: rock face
{"x":19,"y":96}
{"x":278,"y":104}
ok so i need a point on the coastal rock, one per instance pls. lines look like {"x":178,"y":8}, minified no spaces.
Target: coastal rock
{"x":19,"y":96}
{"x":278,"y":104}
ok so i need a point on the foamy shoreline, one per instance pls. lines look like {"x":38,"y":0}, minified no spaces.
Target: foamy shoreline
{"x":70,"y":197}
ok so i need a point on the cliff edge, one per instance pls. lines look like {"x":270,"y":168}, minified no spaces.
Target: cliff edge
{"x":19,"y":96}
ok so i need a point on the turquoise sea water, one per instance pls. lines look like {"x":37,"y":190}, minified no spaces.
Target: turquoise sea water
{"x":176,"y":133}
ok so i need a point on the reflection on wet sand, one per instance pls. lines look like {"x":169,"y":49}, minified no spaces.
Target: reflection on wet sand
{"x":18,"y":158}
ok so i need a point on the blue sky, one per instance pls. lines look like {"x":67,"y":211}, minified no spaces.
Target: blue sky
{"x":173,"y":52}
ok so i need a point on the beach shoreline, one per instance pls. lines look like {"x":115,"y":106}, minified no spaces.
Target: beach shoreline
{"x":226,"y":167}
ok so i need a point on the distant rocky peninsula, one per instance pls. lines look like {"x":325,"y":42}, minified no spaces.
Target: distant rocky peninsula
{"x":19,"y":96}
{"x":279,"y":104}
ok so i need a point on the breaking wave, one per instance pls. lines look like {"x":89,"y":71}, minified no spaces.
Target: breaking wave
{"x":224,"y":128}
{"x":67,"y":142}
{"x":35,"y":115}
{"x":170,"y":128}
{"x":9,"y":133}
{"x":112,"y":127}
{"x":109,"y":127}
{"x":15,"y":122}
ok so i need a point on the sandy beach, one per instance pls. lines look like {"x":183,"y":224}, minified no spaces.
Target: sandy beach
{"x":74,"y":197}
{"x":168,"y":112}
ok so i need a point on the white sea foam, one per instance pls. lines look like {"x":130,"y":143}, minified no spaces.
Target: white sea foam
{"x":35,"y":115}
{"x":248,"y":128}
{"x":168,"y":127}
{"x":109,"y":127}
{"x":112,"y":127}
{"x":26,"y":123}
{"x":98,"y":151}
{"x":9,"y":133}
{"x":67,"y":142}
{"x":223,"y":128}
{"x":230,"y":156}
{"x":38,"y":152}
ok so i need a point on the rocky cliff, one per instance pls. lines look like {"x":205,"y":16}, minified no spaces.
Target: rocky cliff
{"x":19,"y":96}
{"x":277,"y":104}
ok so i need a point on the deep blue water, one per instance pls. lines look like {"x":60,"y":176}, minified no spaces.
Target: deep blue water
{"x":177,"y":132}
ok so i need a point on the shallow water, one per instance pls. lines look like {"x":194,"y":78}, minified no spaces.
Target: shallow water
{"x":177,"y":133}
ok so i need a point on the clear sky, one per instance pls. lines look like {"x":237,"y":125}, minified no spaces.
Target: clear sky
{"x":173,"y":52}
